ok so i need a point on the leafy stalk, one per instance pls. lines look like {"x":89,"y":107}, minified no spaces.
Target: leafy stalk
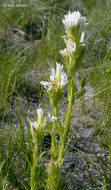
{"x":33,"y":167}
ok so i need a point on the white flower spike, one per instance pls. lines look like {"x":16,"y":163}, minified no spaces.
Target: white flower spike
{"x":58,"y":79}
{"x":74,"y":19}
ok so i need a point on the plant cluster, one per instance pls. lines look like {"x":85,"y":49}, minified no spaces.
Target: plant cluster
{"x":74,"y":39}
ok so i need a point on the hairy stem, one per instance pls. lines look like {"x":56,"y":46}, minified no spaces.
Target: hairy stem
{"x":33,"y":168}
{"x":68,"y":117}
{"x":69,"y":108}
{"x":54,"y":140}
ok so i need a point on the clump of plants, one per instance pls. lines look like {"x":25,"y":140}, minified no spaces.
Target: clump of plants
{"x":74,"y":38}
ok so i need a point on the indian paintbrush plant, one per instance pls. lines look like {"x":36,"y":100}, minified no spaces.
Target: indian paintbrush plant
{"x":72,"y":55}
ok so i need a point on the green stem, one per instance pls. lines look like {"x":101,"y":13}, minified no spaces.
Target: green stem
{"x":68,"y":117}
{"x":54,"y":140}
{"x":69,"y":108}
{"x":33,"y":168}
{"x":52,"y":181}
{"x":54,"y":111}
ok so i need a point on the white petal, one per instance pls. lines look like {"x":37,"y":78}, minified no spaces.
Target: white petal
{"x":31,"y":123}
{"x":49,"y":115}
{"x":45,"y":84}
{"x":52,"y":71}
{"x":72,"y":19}
{"x":64,"y":80}
{"x":52,"y":76}
{"x":71,"y":46}
{"x":53,"y":119}
{"x":63,"y":52}
{"x":36,"y":125}
{"x":40,"y":113}
{"x":82,"y":37}
{"x":49,"y":89}
{"x":58,"y":70}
